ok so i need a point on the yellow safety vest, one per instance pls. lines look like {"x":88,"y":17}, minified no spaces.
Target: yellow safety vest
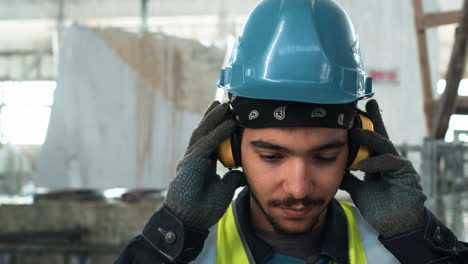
{"x":230,"y":248}
{"x":225,"y":245}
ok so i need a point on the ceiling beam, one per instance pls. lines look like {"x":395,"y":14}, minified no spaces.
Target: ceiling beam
{"x":88,"y":9}
{"x":439,"y":19}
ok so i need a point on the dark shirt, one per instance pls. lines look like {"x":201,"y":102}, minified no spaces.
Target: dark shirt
{"x":305,"y":246}
{"x":166,"y":240}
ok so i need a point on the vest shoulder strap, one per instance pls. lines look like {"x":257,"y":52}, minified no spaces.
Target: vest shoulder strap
{"x":230,"y":246}
{"x":374,"y":250}
{"x":357,"y":254}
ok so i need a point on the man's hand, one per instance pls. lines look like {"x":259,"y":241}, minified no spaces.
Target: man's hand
{"x":198,"y":196}
{"x":390,"y":197}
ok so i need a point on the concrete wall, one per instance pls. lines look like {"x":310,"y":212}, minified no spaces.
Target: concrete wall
{"x":111,"y":223}
{"x":110,"y":226}
{"x":125,"y":106}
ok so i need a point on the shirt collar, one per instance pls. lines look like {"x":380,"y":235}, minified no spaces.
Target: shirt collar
{"x":335,"y":243}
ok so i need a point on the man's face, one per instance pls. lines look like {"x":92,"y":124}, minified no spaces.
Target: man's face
{"x":292,"y":173}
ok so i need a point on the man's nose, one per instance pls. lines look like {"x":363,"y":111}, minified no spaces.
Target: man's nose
{"x":296,"y":181}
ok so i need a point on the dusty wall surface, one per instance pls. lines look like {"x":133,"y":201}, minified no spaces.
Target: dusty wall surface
{"x":125,"y":106}
{"x":181,"y":70}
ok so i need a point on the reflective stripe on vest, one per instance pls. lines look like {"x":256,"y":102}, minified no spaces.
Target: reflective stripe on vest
{"x":356,"y":250}
{"x":229,"y":246}
{"x":226,"y":243}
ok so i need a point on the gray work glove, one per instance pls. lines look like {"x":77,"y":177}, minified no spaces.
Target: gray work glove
{"x":390,"y":197}
{"x":198,"y":196}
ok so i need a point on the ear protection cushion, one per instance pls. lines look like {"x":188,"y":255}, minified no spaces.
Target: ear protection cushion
{"x":229,"y":151}
{"x":359,"y":152}
{"x":352,"y":153}
{"x":236,"y":138}
{"x":225,"y":154}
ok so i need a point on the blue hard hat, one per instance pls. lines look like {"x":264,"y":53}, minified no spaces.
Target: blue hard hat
{"x":297,"y":50}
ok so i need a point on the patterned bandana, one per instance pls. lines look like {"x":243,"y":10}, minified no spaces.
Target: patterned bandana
{"x":261,"y":113}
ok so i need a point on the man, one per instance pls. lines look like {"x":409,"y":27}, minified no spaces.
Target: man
{"x":294,"y":80}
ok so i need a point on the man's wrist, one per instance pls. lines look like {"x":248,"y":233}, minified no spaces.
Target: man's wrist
{"x":428,"y":244}
{"x":171,"y":238}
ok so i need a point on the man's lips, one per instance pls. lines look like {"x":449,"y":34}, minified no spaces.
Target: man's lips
{"x":296,"y":211}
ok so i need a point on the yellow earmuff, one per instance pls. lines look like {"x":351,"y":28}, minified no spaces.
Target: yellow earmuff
{"x":228,"y":151}
{"x":363,"y":152}
{"x":225,"y":154}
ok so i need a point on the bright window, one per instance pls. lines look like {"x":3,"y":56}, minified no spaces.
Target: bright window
{"x":25,"y":110}
{"x":462,"y":88}
{"x":457,"y":122}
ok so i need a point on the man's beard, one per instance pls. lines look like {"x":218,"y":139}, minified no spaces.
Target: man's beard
{"x":288,"y":202}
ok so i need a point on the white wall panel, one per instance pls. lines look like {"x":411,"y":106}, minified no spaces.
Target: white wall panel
{"x":388,"y":42}
{"x":125,"y":106}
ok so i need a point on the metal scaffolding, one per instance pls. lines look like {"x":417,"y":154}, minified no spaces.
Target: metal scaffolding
{"x":444,"y":178}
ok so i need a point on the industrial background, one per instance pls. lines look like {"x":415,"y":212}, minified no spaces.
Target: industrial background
{"x":98,"y":99}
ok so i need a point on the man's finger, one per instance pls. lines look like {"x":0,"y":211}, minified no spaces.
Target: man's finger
{"x":211,"y":107}
{"x":234,"y":178}
{"x":376,"y":143}
{"x":373,"y":111}
{"x":209,"y":142}
{"x":386,"y":163}
{"x":350,"y":183}
{"x":217,"y":115}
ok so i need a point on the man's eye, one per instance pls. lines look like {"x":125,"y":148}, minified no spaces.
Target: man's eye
{"x":326,"y":158}
{"x":272,"y":157}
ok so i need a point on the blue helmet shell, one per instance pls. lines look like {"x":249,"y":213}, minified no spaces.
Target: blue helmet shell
{"x":297,"y":50}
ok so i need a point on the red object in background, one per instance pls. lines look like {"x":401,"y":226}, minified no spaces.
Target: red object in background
{"x":384,"y":76}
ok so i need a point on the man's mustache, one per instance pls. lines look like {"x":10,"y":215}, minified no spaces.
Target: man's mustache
{"x":290,"y":201}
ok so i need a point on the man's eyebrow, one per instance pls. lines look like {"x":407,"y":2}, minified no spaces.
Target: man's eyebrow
{"x":267,"y":145}
{"x":330,"y":145}
{"x":327,"y":146}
